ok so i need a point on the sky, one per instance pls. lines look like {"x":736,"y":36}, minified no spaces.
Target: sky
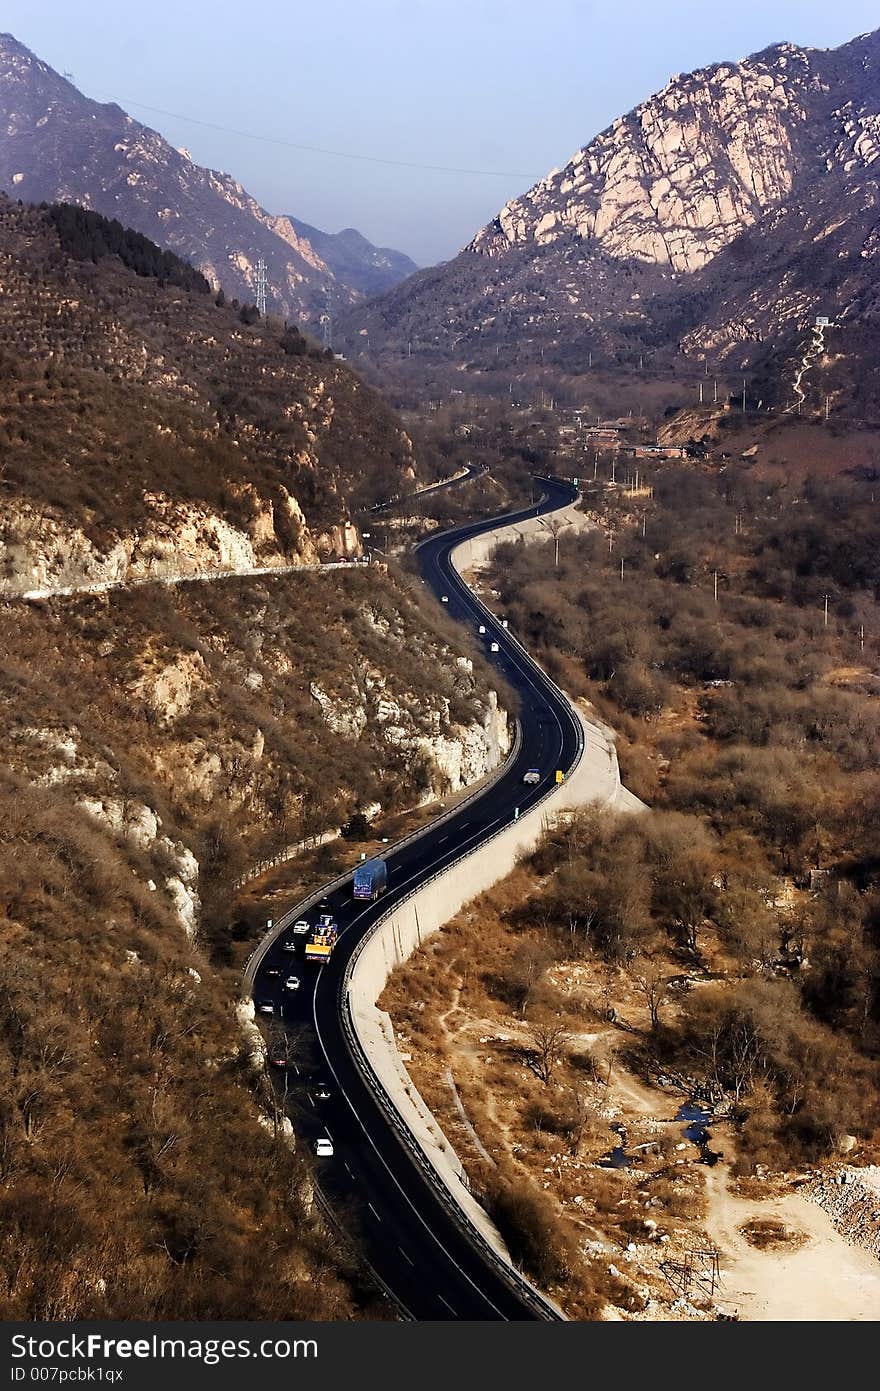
{"x":424,"y":116}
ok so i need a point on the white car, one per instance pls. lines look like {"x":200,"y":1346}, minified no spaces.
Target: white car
{"x":266,"y":1007}
{"x":493,"y":646}
{"x":532,"y":776}
{"x":300,"y":927}
{"x":445,"y":599}
{"x":292,"y":983}
{"x":482,"y":628}
{"x":324,"y":1147}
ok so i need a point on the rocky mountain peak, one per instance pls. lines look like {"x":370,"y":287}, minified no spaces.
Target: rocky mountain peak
{"x":679,"y":178}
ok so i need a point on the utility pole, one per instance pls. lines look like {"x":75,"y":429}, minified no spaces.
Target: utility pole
{"x":744,"y":395}
{"x":596,"y":466}
{"x":701,"y":392}
{"x":715,"y":578}
{"x":613,"y":468}
{"x":621,"y":567}
{"x":715,"y":392}
{"x":861,"y":637}
{"x":826,"y":609}
{"x":644,"y":520}
{"x":260,"y":286}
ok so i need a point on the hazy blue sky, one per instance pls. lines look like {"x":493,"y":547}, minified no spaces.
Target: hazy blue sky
{"x":509,"y":88}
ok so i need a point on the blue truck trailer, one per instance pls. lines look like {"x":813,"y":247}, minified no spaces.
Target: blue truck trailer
{"x":370,"y":879}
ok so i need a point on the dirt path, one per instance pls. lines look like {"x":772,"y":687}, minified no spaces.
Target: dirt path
{"x":823,"y":1280}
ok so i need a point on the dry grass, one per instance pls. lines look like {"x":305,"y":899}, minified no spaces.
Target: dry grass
{"x":770,"y":1234}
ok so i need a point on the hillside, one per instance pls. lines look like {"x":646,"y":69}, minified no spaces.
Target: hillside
{"x":160,"y":743}
{"x":56,"y":144}
{"x":147,"y":430}
{"x":712,"y":223}
{"x":356,"y":262}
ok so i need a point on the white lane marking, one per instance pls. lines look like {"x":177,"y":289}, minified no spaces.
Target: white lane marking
{"x":405,"y":1256}
{"x":389,"y":1171}
{"x":374,"y":1212}
{"x":527,"y":672}
{"x":347,"y":1169}
{"x":448,"y":1305}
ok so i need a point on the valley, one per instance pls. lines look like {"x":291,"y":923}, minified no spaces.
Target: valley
{"x":439,"y":785}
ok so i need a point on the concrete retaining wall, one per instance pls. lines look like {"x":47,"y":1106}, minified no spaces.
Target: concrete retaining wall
{"x":596,"y":778}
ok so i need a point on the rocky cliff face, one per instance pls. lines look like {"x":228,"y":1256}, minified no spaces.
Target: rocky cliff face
{"x":57,"y":145}
{"x":679,"y":178}
{"x":716,"y":219}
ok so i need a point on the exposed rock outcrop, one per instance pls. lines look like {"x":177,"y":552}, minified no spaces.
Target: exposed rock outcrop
{"x":715,"y":220}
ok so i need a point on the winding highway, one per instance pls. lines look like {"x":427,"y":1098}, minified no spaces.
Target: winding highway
{"x":411,"y":1235}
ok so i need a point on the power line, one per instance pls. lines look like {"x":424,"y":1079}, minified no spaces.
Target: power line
{"x":321,"y":150}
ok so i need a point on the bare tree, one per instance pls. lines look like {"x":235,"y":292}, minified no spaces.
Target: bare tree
{"x":653,"y":985}
{"x":556,"y":528}
{"x":580,"y":1117}
{"x":530,"y":962}
{"x":548,"y":1043}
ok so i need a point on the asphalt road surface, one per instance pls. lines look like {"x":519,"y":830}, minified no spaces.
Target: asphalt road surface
{"x":411,"y":1237}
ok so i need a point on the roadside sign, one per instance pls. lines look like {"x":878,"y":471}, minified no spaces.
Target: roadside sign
{"x":516,"y":813}
{"x":560,"y":776}
{"x":575,"y":481}
{"x":269,"y":923}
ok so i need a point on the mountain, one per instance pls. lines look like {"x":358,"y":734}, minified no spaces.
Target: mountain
{"x":356,"y":262}
{"x":146,"y":430}
{"x":160,"y":743}
{"x":715,"y":221}
{"x":56,"y":144}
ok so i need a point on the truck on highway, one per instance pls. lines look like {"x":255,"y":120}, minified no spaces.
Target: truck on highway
{"x":370,"y":879}
{"x":322,"y":939}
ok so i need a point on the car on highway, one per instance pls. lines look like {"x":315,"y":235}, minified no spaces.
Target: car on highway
{"x":322,"y":1091}
{"x":265,"y":1007}
{"x":445,"y":599}
{"x":493,"y":646}
{"x":301,"y":927}
{"x":279,"y":1060}
{"x":292,"y":983}
{"x":273,"y":970}
{"x":532,"y":776}
{"x":482,"y":628}
{"x":324,"y":1147}
{"x":289,"y":946}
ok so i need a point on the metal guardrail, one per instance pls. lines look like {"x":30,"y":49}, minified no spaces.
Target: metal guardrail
{"x":253,"y":962}
{"x":291,"y":914}
{"x":518,"y":1282}
{"x":513,"y":1277}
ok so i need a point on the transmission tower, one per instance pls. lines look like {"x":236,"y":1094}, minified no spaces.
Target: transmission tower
{"x":260,"y":288}
{"x":327,"y":317}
